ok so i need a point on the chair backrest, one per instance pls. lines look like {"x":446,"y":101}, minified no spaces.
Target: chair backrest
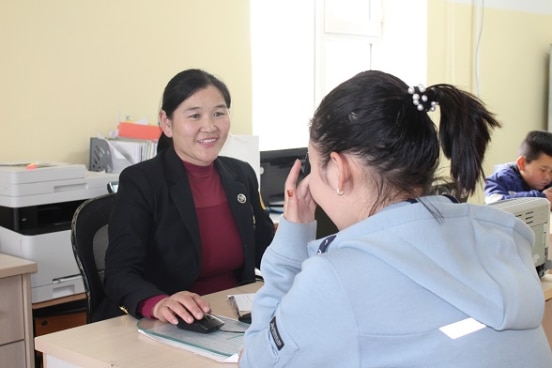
{"x":442,"y":187}
{"x":89,"y":240}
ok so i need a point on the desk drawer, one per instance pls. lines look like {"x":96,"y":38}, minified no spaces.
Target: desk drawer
{"x":13,"y":355}
{"x":53,"y":323}
{"x":11,"y":310}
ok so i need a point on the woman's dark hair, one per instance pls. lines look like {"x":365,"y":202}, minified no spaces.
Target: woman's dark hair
{"x":375,"y":117}
{"x":163,"y":142}
{"x":535,"y":143}
{"x":185,"y":84}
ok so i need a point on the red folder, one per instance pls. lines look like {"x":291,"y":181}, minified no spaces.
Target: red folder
{"x":139,"y":131}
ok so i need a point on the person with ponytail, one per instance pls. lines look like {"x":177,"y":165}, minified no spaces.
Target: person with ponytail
{"x":411,"y":279}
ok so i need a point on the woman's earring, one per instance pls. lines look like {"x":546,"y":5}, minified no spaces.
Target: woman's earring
{"x":340,"y":192}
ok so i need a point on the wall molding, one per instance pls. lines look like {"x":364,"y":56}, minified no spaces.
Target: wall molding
{"x":528,"y":6}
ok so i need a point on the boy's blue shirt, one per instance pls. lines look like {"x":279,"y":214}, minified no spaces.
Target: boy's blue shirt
{"x":506,"y":182}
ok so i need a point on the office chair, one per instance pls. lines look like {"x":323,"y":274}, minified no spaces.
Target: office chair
{"x":89,"y":240}
{"x":447,"y":187}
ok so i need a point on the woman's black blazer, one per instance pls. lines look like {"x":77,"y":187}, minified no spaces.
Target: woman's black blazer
{"x":154,"y":240}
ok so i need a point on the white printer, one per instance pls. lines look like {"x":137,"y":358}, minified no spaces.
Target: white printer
{"x":37,"y":202}
{"x":535,"y":212}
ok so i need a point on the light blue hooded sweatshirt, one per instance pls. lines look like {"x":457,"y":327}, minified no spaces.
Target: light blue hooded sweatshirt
{"x":382,"y":292}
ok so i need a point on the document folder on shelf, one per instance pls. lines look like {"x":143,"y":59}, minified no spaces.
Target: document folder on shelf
{"x":223,"y":345}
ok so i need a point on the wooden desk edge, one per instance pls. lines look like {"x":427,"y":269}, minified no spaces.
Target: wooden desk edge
{"x":57,"y":301}
{"x":11,"y":266}
{"x":546,"y":282}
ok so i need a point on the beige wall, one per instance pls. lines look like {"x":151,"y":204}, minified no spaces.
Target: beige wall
{"x":69,"y":69}
{"x":513,"y":70}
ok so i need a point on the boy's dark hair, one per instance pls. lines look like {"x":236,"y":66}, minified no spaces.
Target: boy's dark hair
{"x":535,"y":143}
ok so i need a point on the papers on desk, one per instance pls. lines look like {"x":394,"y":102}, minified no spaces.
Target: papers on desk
{"x":223,"y":345}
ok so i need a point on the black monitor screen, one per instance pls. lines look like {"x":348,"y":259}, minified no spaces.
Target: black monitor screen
{"x":275,"y":166}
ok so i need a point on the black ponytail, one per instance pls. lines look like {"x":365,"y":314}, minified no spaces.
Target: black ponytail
{"x":376,"y":117}
{"x":464,"y":133}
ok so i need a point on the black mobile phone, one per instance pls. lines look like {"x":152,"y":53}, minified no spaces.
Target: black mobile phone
{"x":305,"y":167}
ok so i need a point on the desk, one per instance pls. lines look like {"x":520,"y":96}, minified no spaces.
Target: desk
{"x":16,"y":337}
{"x":546,"y":281}
{"x":116,"y":342}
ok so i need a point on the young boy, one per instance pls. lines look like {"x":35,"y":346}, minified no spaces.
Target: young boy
{"x":529,"y":176}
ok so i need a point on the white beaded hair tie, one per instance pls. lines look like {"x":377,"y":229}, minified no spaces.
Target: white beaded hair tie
{"x":420,"y":99}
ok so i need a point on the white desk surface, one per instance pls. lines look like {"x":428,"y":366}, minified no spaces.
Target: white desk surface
{"x":116,"y":342}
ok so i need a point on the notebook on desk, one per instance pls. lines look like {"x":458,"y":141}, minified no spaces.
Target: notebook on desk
{"x":223,"y":345}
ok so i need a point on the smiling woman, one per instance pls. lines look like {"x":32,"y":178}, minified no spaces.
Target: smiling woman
{"x":199,"y":125}
{"x":187,"y":222}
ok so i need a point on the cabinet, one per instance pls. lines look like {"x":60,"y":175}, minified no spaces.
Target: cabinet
{"x":16,"y":339}
{"x":48,"y":324}
{"x":59,"y":314}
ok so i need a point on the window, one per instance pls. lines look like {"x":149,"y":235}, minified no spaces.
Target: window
{"x":303,"y":49}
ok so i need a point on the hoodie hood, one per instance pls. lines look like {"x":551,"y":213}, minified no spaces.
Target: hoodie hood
{"x":477,"y":258}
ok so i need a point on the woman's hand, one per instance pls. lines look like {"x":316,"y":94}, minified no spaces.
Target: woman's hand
{"x":187,"y":305}
{"x":298,"y":203}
